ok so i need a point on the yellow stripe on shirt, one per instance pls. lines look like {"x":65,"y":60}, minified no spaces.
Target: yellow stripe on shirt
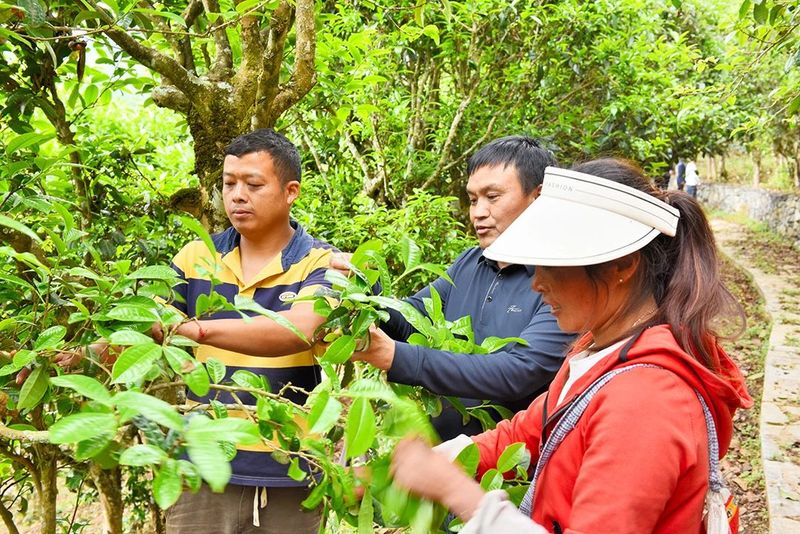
{"x":237,"y":359}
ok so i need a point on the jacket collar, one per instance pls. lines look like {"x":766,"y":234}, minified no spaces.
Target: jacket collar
{"x":493,"y":264}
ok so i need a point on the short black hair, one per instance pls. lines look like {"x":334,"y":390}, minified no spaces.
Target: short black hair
{"x":526,"y":154}
{"x":285,"y":157}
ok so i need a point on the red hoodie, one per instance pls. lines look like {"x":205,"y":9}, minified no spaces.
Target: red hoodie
{"x":637,"y":461}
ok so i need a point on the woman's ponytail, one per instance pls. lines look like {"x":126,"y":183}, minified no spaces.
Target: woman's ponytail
{"x":681,"y":273}
{"x":688,"y":285}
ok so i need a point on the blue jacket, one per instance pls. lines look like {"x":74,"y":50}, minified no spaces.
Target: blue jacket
{"x":502,"y":304}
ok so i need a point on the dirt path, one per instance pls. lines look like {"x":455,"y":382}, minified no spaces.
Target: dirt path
{"x":775,"y":269}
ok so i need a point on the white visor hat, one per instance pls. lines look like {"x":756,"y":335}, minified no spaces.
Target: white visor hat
{"x":580,"y":219}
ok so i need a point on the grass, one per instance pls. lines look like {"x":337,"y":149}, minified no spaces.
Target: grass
{"x":742,"y":219}
{"x":740,"y":169}
{"x":792,"y":341}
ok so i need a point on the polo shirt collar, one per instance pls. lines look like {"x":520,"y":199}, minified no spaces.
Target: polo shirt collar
{"x":298,"y":247}
{"x":295,"y":250}
{"x":228,"y":246}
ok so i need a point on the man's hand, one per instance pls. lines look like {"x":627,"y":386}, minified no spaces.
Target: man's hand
{"x":191,"y":329}
{"x":363,"y":477}
{"x":100,"y":350}
{"x":341,"y":262}
{"x":157,"y":333}
{"x":69,"y":358}
{"x":379,"y":351}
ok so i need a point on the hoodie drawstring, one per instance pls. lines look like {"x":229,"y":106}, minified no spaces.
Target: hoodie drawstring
{"x":259,"y":501}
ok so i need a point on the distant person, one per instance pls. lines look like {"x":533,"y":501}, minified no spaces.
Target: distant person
{"x":628,"y":437}
{"x":680,"y":174}
{"x":692,"y":179}
{"x":666,"y":177}
{"x":505,"y":177}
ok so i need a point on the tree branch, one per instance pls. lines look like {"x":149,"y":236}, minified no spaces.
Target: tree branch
{"x":380,"y":160}
{"x":29,"y":436}
{"x":192,"y":11}
{"x":279,"y":27}
{"x":8,"y":519}
{"x":222,"y":67}
{"x":368,"y":180}
{"x":451,"y":135}
{"x":24,"y":462}
{"x":247,"y":77}
{"x":190,"y":15}
{"x":321,"y":167}
{"x":167,"y":96}
{"x":304,"y":76}
{"x":416,"y":126}
{"x":56,"y":113}
{"x":180,"y":43}
{"x":470,"y":150}
{"x":150,"y":57}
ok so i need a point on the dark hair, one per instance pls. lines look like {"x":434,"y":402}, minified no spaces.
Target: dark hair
{"x":525,"y":153}
{"x":681,"y":272}
{"x":285,"y":157}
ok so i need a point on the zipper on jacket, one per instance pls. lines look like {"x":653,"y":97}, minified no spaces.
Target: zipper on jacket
{"x":547,"y":421}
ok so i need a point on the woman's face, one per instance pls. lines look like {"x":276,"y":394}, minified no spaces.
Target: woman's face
{"x":578,"y":304}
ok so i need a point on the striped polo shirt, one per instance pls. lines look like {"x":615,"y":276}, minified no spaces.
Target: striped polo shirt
{"x":299,"y":270}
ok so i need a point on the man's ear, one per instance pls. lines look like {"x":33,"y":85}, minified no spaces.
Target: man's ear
{"x":292,"y":190}
{"x":536,"y":192}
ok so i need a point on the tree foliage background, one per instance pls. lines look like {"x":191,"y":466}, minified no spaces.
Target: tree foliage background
{"x":114,"y":115}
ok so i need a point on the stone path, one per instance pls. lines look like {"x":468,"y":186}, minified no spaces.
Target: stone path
{"x":780,"y":405}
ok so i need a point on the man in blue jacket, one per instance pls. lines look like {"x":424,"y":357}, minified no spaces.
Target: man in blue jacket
{"x":505,"y":176}
{"x":680,"y":177}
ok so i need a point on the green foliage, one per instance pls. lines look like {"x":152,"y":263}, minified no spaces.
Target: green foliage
{"x":111,"y":413}
{"x":347,"y":222}
{"x":93,"y":176}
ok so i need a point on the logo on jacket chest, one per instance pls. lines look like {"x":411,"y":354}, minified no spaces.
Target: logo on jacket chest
{"x":513,"y":309}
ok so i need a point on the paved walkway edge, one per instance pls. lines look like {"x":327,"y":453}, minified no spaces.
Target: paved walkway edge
{"x":780,"y":404}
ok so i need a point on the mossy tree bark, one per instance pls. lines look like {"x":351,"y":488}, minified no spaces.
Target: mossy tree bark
{"x":227,"y":99}
{"x":109,"y":485}
{"x":47,"y":491}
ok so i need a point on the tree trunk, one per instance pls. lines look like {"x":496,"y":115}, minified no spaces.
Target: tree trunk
{"x":8,"y":519}
{"x":796,"y":170}
{"x":109,"y":485}
{"x":712,"y":168}
{"x":756,"y":168}
{"x":723,"y":171}
{"x":46,"y":462}
{"x":210,"y":139}
{"x":157,"y":523}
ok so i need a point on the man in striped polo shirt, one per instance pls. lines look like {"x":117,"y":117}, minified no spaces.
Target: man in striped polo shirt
{"x":270,"y":258}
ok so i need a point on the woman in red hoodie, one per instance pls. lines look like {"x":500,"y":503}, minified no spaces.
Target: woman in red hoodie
{"x":635,"y":270}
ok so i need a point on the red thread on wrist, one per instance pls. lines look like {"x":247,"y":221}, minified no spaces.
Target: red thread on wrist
{"x":201,"y":332}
